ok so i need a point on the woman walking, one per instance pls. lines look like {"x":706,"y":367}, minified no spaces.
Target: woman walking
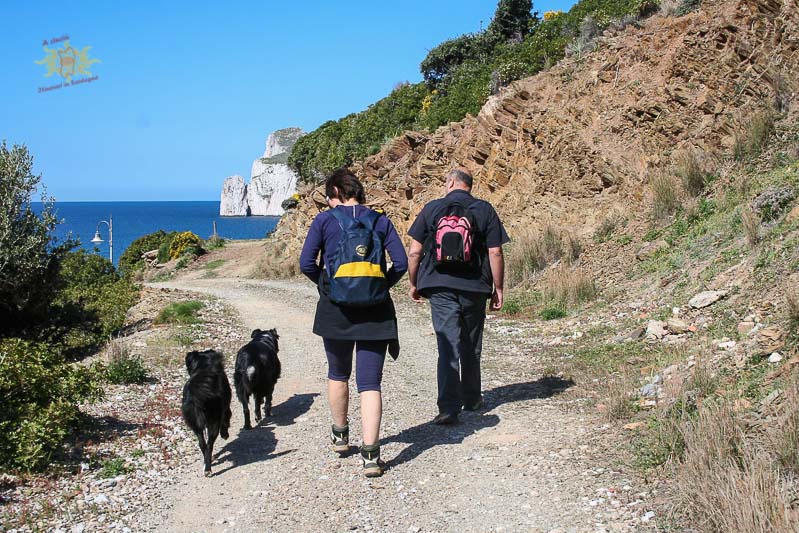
{"x":355,"y":310}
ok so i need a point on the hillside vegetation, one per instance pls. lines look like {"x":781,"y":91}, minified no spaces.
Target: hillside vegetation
{"x":650,"y":188}
{"x":461,"y":73}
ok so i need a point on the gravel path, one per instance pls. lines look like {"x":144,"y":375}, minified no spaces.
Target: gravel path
{"x":529,"y":462}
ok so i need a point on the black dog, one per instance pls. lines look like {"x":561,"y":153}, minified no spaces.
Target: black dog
{"x":206,"y":400}
{"x":257,"y":371}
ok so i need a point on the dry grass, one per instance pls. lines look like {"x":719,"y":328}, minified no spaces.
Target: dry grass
{"x":669,"y":8}
{"x":275,"y":264}
{"x":792,"y":308}
{"x":604,"y":232}
{"x":726,"y":482}
{"x":665,"y":198}
{"x":784,"y":437}
{"x":619,"y":403}
{"x":693,"y":173}
{"x":751,"y":224}
{"x":782,"y":93}
{"x":793,"y":150}
{"x":531,"y":253}
{"x":565,"y":286}
{"x":754,"y":136}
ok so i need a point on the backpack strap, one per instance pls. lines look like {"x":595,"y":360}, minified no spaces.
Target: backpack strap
{"x":369,"y":219}
{"x":345,"y":221}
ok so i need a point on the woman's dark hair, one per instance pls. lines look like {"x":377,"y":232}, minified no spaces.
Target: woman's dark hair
{"x":343,"y":185}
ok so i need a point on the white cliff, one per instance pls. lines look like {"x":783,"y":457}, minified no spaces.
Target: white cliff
{"x":234,"y":197}
{"x":271,"y":180}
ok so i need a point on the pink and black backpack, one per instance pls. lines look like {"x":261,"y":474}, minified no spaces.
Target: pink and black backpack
{"x":453,"y":236}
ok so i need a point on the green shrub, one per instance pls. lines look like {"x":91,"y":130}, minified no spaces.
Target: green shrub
{"x":179,"y":313}
{"x":92,"y":304}
{"x":123,"y":367}
{"x":215,"y":242}
{"x":552,"y":313}
{"x":131,"y":260}
{"x":338,"y":143}
{"x":183,"y":243}
{"x":39,"y":392}
{"x":463,"y":92}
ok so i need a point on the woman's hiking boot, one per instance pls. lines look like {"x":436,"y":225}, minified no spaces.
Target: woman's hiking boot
{"x":340,"y":438}
{"x":372,"y":465}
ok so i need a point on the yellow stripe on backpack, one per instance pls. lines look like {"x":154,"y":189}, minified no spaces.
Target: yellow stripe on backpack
{"x":359,"y":269}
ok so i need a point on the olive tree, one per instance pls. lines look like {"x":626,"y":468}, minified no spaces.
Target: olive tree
{"x":29,"y":253}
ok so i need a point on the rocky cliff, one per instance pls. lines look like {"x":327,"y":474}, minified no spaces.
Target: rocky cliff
{"x":580,"y":140}
{"x":234,"y":197}
{"x":271,"y":180}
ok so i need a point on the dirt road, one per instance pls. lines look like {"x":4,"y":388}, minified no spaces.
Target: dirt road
{"x":529,"y":462}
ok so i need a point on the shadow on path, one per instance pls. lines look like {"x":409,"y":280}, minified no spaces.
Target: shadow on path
{"x":258,"y":443}
{"x":427,"y":435}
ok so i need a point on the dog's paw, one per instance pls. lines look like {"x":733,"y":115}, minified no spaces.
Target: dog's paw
{"x":224,"y":433}
{"x":247,"y":426}
{"x":207,"y":473}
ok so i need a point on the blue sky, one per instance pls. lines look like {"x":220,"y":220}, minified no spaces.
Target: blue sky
{"x":187,"y":91}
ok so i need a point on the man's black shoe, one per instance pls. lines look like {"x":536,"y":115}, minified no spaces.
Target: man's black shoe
{"x":445,"y":419}
{"x":475,"y":406}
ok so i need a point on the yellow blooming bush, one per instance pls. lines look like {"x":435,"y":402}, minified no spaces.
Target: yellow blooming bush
{"x":182,"y":242}
{"x":549,"y":15}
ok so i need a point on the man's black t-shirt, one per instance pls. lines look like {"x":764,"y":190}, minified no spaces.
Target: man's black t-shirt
{"x":490,"y":234}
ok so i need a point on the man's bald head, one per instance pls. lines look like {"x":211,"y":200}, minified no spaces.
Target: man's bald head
{"x":458,"y":178}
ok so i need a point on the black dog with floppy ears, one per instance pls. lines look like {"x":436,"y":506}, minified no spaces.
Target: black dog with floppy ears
{"x":206,"y":400}
{"x":257,"y":371}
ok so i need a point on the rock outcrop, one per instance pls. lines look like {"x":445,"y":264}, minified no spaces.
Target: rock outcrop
{"x":234,"y":197}
{"x":272,"y":181}
{"x":580,"y":141}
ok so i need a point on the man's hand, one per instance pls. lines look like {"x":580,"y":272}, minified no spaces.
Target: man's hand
{"x":496,"y":300}
{"x":414,"y":294}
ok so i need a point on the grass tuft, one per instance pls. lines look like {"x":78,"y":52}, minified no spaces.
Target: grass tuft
{"x":179,"y":313}
{"x":692,"y":173}
{"x":665,"y":198}
{"x":533,"y":252}
{"x":113,"y":468}
{"x":751,"y":225}
{"x":754,"y":137}
{"x":563,"y":286}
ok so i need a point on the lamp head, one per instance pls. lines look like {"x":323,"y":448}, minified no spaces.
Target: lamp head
{"x":97,"y":239}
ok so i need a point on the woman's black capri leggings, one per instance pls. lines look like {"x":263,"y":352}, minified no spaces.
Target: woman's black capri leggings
{"x":369,"y":359}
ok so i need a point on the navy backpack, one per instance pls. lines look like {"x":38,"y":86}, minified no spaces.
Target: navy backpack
{"x":357,"y":276}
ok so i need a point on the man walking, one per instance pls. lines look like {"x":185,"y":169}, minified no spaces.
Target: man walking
{"x":456,"y":262}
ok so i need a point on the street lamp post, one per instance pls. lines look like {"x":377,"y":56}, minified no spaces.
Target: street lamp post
{"x":97,"y":239}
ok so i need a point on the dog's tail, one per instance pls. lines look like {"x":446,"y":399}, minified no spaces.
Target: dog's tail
{"x":250,"y":372}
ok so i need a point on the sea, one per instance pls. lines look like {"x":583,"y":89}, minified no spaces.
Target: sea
{"x":131,"y":220}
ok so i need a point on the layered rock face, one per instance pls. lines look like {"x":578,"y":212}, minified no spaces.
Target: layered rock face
{"x":234,"y":197}
{"x":579,"y":141}
{"x":271,"y":179}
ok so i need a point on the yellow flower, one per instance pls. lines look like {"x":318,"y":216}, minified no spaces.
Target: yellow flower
{"x":549,"y":15}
